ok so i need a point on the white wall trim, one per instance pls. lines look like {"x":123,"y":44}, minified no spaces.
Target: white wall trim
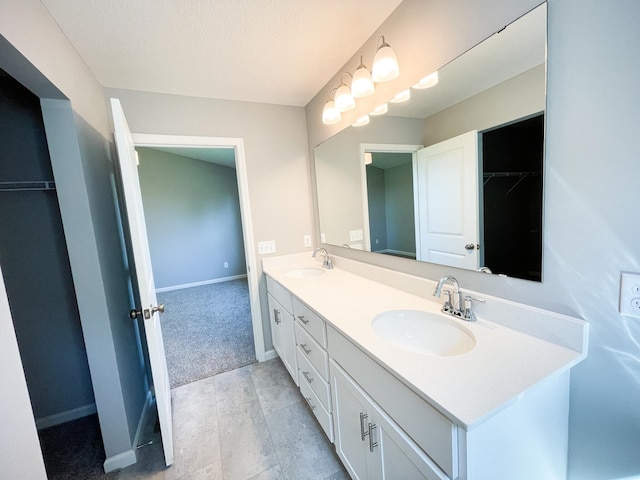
{"x":121,"y":460}
{"x":199,"y":284}
{"x":153,"y":140}
{"x":66,"y":416}
{"x":268,"y":355}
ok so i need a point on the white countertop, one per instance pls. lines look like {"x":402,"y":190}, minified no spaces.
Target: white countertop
{"x":468,"y":388}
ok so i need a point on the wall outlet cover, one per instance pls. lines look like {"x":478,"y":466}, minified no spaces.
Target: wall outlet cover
{"x":630,"y":294}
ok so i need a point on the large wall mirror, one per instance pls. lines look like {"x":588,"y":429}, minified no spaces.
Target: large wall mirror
{"x":453,"y":175}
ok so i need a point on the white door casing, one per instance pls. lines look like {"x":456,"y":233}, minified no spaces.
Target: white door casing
{"x":447,"y":215}
{"x":144,"y":275}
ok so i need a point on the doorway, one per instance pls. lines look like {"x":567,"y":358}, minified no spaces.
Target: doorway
{"x":196,"y":241}
{"x":216,"y":145}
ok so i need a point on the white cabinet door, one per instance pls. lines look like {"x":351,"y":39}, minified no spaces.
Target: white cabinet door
{"x":283,"y":338}
{"x":350,"y":424}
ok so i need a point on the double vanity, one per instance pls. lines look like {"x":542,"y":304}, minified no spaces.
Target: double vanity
{"x":406,"y":391}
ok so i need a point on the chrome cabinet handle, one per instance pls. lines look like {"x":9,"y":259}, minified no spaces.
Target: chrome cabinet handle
{"x":303,"y":320}
{"x":311,"y":405}
{"x":304,"y":348}
{"x":372,"y":444}
{"x":363,"y":417}
{"x":307,"y":377}
{"x":276,"y":316}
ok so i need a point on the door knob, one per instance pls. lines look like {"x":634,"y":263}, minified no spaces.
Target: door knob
{"x":469,"y":246}
{"x":133,"y":314}
{"x":159,"y":308}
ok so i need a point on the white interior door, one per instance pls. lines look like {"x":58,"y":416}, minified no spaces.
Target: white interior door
{"x":447,"y":217}
{"x":148,"y":304}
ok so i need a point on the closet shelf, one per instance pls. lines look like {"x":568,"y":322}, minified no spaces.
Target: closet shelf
{"x":38,"y":185}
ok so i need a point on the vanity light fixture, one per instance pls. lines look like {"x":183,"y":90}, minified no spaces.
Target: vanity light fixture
{"x":362,"y":84}
{"x":427,"y":82}
{"x":401,"y":97}
{"x":364,"y":120}
{"x":344,"y":101}
{"x":385,"y":63}
{"x":330,"y":114}
{"x":380,"y":110}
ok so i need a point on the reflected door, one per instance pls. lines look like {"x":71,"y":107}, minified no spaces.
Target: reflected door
{"x":447,"y":217}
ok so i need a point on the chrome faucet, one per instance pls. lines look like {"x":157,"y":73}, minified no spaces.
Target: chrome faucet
{"x":327,"y":259}
{"x":455,"y":306}
{"x":450,"y":305}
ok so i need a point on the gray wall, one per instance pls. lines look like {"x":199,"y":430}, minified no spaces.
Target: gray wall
{"x":192,"y":212}
{"x":590,"y":235}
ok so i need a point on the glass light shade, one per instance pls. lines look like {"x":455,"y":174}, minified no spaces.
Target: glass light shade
{"x":401,"y":97}
{"x":427,"y":82}
{"x":362,"y":84}
{"x":330,"y":115}
{"x":344,"y":100}
{"x":380,"y":109}
{"x":361,"y":121}
{"x":385,"y":64}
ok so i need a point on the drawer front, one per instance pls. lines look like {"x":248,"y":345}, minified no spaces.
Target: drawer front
{"x":311,"y":321}
{"x":324,"y":417}
{"x":432,"y":431}
{"x":307,"y":373}
{"x":280,"y":293}
{"x":312,"y":351}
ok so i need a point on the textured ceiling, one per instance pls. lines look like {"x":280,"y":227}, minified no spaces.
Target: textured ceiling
{"x":269,"y":51}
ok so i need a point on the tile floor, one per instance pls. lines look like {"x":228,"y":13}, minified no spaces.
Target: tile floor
{"x":246,"y":424}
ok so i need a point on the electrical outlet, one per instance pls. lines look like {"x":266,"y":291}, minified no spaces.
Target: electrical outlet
{"x":630,"y":294}
{"x":355,"y":235}
{"x":323,"y":239}
{"x":266,"y":247}
{"x":307,"y":240}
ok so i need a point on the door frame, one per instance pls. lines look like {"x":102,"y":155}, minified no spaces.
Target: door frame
{"x":385,"y":148}
{"x":161,"y":140}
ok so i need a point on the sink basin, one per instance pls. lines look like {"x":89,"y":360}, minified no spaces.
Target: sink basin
{"x":423,"y":332}
{"x":307,"y":272}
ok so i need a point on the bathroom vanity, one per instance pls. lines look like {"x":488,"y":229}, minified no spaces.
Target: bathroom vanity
{"x":405,"y":391}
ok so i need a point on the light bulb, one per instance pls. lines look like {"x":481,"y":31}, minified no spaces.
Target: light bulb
{"x":385,"y":64}
{"x":344,"y":100}
{"x":362,"y":84}
{"x":330,"y":115}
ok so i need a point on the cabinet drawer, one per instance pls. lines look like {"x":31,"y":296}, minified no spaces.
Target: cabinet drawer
{"x":324,"y":417}
{"x":311,"y":321}
{"x":427,"y":427}
{"x":280,"y":293}
{"x":307,"y":373}
{"x":312,"y":351}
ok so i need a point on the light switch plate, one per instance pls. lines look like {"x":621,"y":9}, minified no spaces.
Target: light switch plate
{"x":630,"y":294}
{"x":266,"y":247}
{"x":355,"y":235}
{"x":307,"y":240}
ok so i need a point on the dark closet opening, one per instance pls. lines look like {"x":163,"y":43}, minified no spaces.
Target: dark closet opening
{"x":512,"y":159}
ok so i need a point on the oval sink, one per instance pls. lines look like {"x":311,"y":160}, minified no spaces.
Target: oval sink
{"x":423,"y":332}
{"x":307,"y":272}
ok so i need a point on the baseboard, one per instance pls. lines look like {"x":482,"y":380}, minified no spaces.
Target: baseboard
{"x":121,"y":460}
{"x":269,"y":354}
{"x":198,"y":284}
{"x":142,"y":420}
{"x":66,"y":416}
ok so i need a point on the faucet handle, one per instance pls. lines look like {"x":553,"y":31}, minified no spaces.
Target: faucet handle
{"x":468,"y":312}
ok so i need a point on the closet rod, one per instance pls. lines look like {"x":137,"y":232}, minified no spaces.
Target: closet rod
{"x":27,"y":186}
{"x":521,"y":175}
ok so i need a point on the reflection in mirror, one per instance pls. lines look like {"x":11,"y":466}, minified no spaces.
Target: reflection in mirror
{"x":453,"y":176}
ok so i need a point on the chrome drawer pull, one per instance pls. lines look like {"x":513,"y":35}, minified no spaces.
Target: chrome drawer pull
{"x":372,"y":444}
{"x":304,"y":348}
{"x":307,"y":377}
{"x":276,"y":315}
{"x":303,"y":320}
{"x":311,"y":405}
{"x":363,"y":417}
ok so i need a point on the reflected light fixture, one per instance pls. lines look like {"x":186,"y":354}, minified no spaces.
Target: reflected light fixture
{"x":330,"y":114}
{"x":362,"y":84}
{"x":427,"y":82}
{"x":344,"y":101}
{"x":380,"y":110}
{"x":403,"y":96}
{"x":385,"y":63}
{"x":368,"y":158}
{"x":364,"y":120}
